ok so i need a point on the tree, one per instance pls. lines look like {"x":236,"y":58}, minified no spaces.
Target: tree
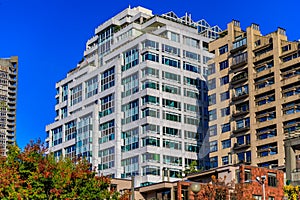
{"x":293,"y":192}
{"x":217,"y":189}
{"x":32,"y":174}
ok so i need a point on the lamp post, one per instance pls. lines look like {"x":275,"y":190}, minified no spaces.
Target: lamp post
{"x":195,"y":187}
{"x":261,"y":180}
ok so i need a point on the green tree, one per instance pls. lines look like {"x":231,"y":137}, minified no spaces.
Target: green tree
{"x":32,"y":174}
{"x":292,"y":192}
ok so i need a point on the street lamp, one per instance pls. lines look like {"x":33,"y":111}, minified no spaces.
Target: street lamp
{"x":195,"y":187}
{"x":261,"y":180}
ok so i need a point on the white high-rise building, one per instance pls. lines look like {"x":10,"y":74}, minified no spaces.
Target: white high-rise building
{"x":137,"y":104}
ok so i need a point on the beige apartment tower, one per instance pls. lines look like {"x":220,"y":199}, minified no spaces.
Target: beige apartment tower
{"x":8,"y":96}
{"x":254,"y":88}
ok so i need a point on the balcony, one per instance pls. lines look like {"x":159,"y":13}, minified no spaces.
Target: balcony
{"x":238,"y":146}
{"x":239,"y":45}
{"x":240,"y":96}
{"x":239,"y":61}
{"x":239,"y":78}
{"x":240,"y":130}
{"x":239,"y":113}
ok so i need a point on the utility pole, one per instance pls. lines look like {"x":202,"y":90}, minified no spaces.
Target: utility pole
{"x":132,"y":187}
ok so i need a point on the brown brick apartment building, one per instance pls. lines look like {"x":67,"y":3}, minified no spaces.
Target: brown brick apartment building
{"x":254,"y":90}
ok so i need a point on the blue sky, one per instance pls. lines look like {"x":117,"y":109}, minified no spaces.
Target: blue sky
{"x":49,"y":37}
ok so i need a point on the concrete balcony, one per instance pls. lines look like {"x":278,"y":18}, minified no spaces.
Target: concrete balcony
{"x":239,"y":96}
{"x":239,"y":78}
{"x":240,"y":130}
{"x":237,"y":146}
{"x":239,"y":113}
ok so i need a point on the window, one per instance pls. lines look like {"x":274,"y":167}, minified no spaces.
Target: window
{"x":224,"y":96}
{"x":257,"y":197}
{"x":131,"y":140}
{"x":150,"y":84}
{"x":191,"y":41}
{"x":190,"y":135}
{"x":224,"y":80}
{"x":291,"y":108}
{"x":205,"y":59}
{"x":150,"y":128}
{"x":213,"y":162}
{"x":223,"y":65}
{"x":191,"y":67}
{"x":76,"y":94}
{"x":211,"y":69}
{"x":191,"y":93}
{"x":107,"y":157}
{"x":64,"y":95}
{"x":264,"y":81}
{"x":171,"y":76}
{"x":170,"y":62}
{"x":151,"y":170}
{"x":91,"y":87}
{"x":247,"y":175}
{"x":267,"y":150}
{"x":171,"y":104}
{"x":191,"y":108}
{"x":212,"y":99}
{"x":243,"y":123}
{"x":171,"y":116}
{"x":211,"y":84}
{"x":150,"y":141}
{"x":225,"y":127}
{"x":148,"y":99}
{"x":226,"y":144}
{"x":107,"y":131}
{"x":150,"y":112}
{"x":240,"y":58}
{"x":191,"y":120}
{"x":286,"y":47}
{"x":239,"y":43}
{"x":131,"y":58}
{"x":70,"y":130}
{"x":225,"y":111}
{"x":149,"y":44}
{"x":171,"y":144}
{"x":172,"y":160}
{"x":212,"y":130}
{"x":57,"y":136}
{"x":107,"y":105}
{"x":223,"y":49}
{"x":212,"y":114}
{"x":171,"y":89}
{"x":240,"y":91}
{"x":150,"y":56}
{"x":171,"y":131}
{"x":242,"y":140}
{"x":148,"y":71}
{"x":213,"y":146}
{"x":191,"y":147}
{"x":191,"y":56}
{"x":225,"y":160}
{"x":70,"y":152}
{"x":108,"y":79}
{"x":130,"y":85}
{"x":131,"y":111}
{"x":130,"y":166}
{"x":266,"y":115}
{"x":151,"y":157}
{"x":266,"y":132}
{"x":170,"y":50}
{"x":272,"y":180}
{"x":191,"y":82}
